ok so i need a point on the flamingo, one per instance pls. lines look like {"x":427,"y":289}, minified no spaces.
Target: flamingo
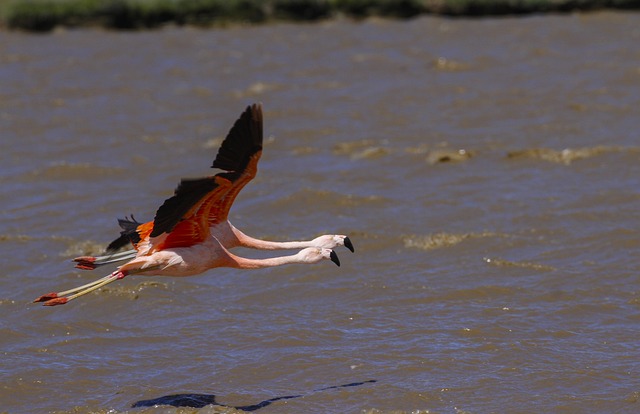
{"x":191,"y":233}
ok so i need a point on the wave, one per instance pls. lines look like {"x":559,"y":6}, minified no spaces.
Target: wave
{"x":525,"y":265}
{"x":568,"y":155}
{"x":67,"y":170}
{"x":441,"y":240}
{"x":369,"y":149}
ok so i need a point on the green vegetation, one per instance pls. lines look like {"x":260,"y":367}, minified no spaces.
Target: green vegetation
{"x":44,"y":15}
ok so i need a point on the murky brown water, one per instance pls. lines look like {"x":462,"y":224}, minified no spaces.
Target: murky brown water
{"x":502,"y":278}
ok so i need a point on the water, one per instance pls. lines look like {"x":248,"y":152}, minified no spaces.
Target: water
{"x":486,"y":170}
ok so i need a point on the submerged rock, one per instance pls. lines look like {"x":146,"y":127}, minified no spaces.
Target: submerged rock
{"x":449,"y":155}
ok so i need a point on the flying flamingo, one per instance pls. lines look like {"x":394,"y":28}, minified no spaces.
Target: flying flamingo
{"x":191,"y":232}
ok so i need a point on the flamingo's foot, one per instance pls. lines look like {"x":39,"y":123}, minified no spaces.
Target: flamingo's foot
{"x":47,"y":297}
{"x":56,"y":301}
{"x":85,"y":262}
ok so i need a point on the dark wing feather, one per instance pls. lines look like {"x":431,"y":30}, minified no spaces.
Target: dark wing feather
{"x":128,"y":235}
{"x":243,"y":140}
{"x":239,"y":155}
{"x":187,"y":197}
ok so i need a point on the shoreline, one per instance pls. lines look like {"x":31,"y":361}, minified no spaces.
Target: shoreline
{"x":46,"y":15}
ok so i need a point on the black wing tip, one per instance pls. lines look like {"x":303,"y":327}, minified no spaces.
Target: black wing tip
{"x":243,"y":140}
{"x":118,"y":244}
{"x":127,"y":235}
{"x":128,"y":223}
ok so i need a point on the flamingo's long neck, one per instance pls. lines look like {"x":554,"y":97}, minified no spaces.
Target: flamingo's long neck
{"x":246,"y":263}
{"x":234,"y":237}
{"x":272,"y":245}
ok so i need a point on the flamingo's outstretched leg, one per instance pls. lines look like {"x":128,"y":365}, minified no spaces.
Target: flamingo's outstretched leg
{"x":60,"y":298}
{"x":91,"y":262}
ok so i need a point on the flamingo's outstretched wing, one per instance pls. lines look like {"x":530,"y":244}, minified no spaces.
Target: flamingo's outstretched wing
{"x":201,"y":203}
{"x":238,"y":155}
{"x":182,"y":220}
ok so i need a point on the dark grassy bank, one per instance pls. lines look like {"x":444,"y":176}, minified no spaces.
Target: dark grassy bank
{"x":44,"y":15}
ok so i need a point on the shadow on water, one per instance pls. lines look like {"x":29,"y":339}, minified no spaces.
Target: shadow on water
{"x":202,"y":400}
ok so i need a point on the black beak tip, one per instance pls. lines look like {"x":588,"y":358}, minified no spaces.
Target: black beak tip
{"x":348,"y":244}
{"x":334,"y":258}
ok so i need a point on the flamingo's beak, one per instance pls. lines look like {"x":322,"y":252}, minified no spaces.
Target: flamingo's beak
{"x":348,"y":244}
{"x":334,"y":258}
